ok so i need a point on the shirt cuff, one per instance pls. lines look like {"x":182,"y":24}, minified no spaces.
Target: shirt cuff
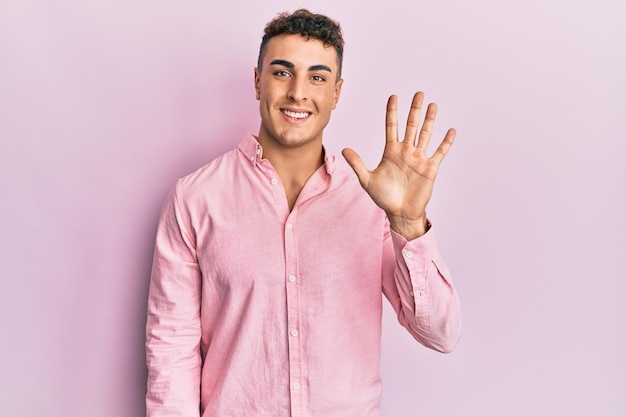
{"x":423,"y":247}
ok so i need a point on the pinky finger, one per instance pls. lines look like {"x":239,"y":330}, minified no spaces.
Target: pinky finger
{"x":444,"y":147}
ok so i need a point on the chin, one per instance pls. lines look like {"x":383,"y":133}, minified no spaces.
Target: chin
{"x":294,"y":139}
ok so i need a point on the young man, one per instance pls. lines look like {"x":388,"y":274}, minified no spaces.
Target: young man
{"x":265,"y":297}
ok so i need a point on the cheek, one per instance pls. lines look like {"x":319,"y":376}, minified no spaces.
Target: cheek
{"x":267,"y":94}
{"x":330,"y":103}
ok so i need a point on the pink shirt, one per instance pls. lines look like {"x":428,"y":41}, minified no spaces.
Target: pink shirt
{"x":258,"y":311}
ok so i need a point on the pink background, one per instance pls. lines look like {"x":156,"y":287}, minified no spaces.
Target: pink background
{"x":104,"y":104}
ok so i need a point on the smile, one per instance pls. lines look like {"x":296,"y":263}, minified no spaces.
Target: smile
{"x":295,"y":115}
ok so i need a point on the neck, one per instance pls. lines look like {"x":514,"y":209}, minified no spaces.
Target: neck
{"x":294,"y":165}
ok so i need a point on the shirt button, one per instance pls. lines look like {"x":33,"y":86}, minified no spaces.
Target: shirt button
{"x":292,"y":278}
{"x":409,"y":254}
{"x":258,"y":151}
{"x":252,"y":158}
{"x":274,"y":181}
{"x":289,"y":226}
{"x":296,"y":385}
{"x":294,"y":332}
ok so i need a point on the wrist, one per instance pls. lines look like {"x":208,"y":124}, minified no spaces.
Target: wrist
{"x":409,"y":228}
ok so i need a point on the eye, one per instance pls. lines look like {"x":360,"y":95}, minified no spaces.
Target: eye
{"x":282,"y":73}
{"x":318,"y":78}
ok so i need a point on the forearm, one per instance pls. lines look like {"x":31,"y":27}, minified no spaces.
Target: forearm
{"x":422,"y":293}
{"x":174,"y":369}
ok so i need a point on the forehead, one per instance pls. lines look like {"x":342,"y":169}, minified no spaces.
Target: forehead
{"x":300,"y":51}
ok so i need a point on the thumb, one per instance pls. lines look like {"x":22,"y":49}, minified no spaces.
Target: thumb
{"x":355,"y":161}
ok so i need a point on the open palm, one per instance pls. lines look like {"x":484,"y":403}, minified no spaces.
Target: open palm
{"x":402,"y":183}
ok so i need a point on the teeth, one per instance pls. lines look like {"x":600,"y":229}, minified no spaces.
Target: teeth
{"x":295,"y":115}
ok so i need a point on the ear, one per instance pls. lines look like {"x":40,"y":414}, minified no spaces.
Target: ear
{"x":338,"y":85}
{"x":257,"y":80}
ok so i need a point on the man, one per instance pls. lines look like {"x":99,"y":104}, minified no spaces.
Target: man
{"x":265,"y":297}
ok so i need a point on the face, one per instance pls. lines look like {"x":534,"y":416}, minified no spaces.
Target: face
{"x":297,"y":89}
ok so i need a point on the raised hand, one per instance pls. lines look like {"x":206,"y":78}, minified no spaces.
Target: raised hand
{"x":402,"y":183}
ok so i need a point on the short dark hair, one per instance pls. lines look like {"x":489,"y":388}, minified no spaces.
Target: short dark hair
{"x":310,"y":25}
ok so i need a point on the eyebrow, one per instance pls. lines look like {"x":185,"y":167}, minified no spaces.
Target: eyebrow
{"x":288,"y":64}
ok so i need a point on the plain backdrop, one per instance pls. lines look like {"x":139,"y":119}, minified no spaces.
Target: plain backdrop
{"x":104,"y":104}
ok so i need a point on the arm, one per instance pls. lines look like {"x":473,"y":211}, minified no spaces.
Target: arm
{"x":421,"y":292}
{"x":418,"y":285}
{"x":173,"y":324}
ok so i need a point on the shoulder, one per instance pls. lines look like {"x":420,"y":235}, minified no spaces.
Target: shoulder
{"x":213,"y":171}
{"x":210,"y":178}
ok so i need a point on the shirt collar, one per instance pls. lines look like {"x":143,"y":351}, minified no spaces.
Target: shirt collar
{"x":253,"y":152}
{"x":251,"y":149}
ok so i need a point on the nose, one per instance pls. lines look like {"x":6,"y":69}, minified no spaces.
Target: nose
{"x":297,"y":89}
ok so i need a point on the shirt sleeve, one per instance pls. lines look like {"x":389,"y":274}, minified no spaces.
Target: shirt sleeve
{"x":173,"y":323}
{"x":418,"y":285}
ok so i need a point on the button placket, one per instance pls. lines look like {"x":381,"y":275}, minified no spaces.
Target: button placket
{"x":293,"y":315}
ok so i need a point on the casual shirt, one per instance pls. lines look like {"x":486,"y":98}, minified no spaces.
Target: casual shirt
{"x":256,"y":310}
